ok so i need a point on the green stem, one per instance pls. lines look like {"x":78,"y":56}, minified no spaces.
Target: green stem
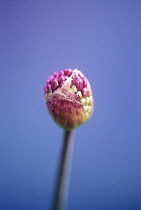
{"x":60,"y":195}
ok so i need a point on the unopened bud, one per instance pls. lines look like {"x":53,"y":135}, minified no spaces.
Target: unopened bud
{"x":69,"y":99}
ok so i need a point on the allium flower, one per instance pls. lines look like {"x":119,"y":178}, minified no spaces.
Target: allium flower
{"x":69,"y":99}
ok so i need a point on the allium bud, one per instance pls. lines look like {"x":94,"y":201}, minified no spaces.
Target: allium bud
{"x":69,"y":99}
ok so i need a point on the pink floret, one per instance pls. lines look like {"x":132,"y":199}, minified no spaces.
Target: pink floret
{"x":57,"y":80}
{"x":79,"y":84}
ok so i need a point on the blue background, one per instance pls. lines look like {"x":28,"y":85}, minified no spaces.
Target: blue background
{"x":102,"y":39}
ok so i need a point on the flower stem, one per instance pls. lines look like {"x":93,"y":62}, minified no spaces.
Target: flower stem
{"x":60,"y":196}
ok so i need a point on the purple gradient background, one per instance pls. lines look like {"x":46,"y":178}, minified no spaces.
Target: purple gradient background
{"x":102,"y":39}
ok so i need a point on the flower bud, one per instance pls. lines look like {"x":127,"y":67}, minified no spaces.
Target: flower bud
{"x":69,"y":99}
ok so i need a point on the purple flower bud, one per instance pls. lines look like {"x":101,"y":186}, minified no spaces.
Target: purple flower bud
{"x":54,"y":84}
{"x":69,"y":99}
{"x":84,"y":82}
{"x":79,"y":84}
{"x":49,"y":80}
{"x":47,"y":88}
{"x":61,"y":73}
{"x":56,"y":74}
{"x":68,"y":72}
{"x":61,"y":78}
